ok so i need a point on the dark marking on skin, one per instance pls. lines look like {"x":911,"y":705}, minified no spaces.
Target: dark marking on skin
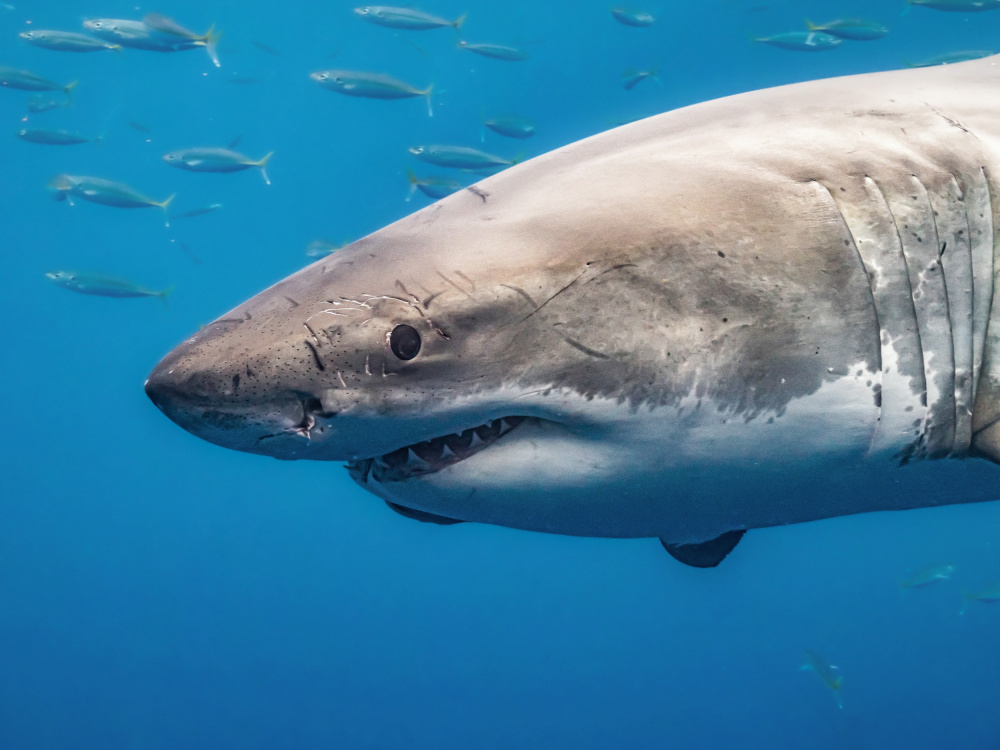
{"x":472,"y":284}
{"x":409,"y":294}
{"x":950,"y":120}
{"x":236,"y":381}
{"x":222,"y":321}
{"x":520,"y":291}
{"x":580,"y":276}
{"x":315,"y":354}
{"x":294,"y":303}
{"x":476,"y":191}
{"x":722,"y":254}
{"x":247,"y":316}
{"x":986,"y":426}
{"x":585,"y":349}
{"x":943,"y":246}
{"x":452,"y":283}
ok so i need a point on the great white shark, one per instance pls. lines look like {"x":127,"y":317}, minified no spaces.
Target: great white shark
{"x":766,"y":309}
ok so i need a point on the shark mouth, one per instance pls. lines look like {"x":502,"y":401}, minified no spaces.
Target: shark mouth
{"x":430,"y":456}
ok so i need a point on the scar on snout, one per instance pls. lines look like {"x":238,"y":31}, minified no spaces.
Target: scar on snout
{"x":312,"y":348}
{"x":585,"y":349}
{"x":520,"y":291}
{"x":476,"y":191}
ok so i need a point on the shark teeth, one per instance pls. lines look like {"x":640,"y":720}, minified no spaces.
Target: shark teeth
{"x":430,"y":456}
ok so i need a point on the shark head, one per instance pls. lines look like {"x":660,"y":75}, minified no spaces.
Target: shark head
{"x":586,"y":343}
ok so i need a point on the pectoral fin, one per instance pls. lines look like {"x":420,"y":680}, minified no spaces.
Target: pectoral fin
{"x":705,"y":554}
{"x":420,"y":515}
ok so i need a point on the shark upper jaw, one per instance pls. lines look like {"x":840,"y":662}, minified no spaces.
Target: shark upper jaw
{"x":430,"y":456}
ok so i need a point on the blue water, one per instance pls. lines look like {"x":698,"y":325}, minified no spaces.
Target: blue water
{"x":158,"y":592}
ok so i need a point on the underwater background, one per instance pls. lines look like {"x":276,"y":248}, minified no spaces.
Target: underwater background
{"x":159,"y":592}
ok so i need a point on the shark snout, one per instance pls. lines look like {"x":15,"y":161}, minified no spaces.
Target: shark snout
{"x":214,"y":401}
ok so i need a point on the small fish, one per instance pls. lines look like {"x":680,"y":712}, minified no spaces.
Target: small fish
{"x":264,"y":48}
{"x":637,"y":19}
{"x":45,"y":103}
{"x":55,"y":137}
{"x":990,"y":595}
{"x":512,"y":126}
{"x":633,"y":78}
{"x":857,"y":29}
{"x":216,"y":160}
{"x":100,"y":285}
{"x":322,"y":248}
{"x":950,"y":58}
{"x":105,"y":192}
{"x":211,"y":208}
{"x":802,"y":41}
{"x":958,"y":6}
{"x":405,"y":18}
{"x":432,"y":186}
{"x":140,"y":127}
{"x":66,"y":41}
{"x":460,"y":157}
{"x":369,"y":85}
{"x":154,"y":33}
{"x":496,"y":51}
{"x":825,"y":671}
{"x":27,"y":81}
{"x":928,"y":577}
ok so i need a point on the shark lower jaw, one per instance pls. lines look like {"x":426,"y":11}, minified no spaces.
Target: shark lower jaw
{"x":427,"y":457}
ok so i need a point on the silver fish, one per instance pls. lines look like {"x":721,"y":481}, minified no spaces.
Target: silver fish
{"x":101,"y":285}
{"x":460,"y":157}
{"x":105,"y":192}
{"x":405,"y":18}
{"x":496,"y":51}
{"x":55,"y":137}
{"x":66,"y":41}
{"x":27,"y":81}
{"x":154,"y":33}
{"x":369,"y":85}
{"x":216,"y":160}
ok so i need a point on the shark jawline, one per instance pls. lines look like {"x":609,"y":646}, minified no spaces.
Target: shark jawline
{"x":430,"y":456}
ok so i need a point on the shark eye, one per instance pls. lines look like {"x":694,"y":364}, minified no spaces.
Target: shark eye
{"x":404,"y":341}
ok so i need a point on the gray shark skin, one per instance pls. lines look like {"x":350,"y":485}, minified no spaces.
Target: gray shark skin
{"x":766,"y":309}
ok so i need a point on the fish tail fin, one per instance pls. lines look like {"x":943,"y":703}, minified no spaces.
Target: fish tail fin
{"x":428,"y":92}
{"x":811,"y":26}
{"x":262,"y":164}
{"x":909,"y":63}
{"x":164,"y":294}
{"x":211,"y":44}
{"x":68,"y":89}
{"x":654,"y":73}
{"x":836,"y":691}
{"x":99,"y":140}
{"x":969,"y":597}
{"x":457,"y":23}
{"x":413,"y":184}
{"x":519,"y":158}
{"x":165,"y":205}
{"x":116,"y":47}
